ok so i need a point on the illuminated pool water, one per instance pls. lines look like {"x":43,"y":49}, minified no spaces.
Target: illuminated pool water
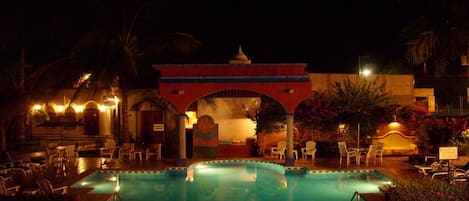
{"x":234,"y":180}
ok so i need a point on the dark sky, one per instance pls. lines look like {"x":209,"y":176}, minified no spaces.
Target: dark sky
{"x":327,"y":34}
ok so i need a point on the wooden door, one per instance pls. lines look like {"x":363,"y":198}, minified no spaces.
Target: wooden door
{"x":148,"y":120}
{"x":91,"y":121}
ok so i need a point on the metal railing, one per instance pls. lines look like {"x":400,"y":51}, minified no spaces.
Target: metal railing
{"x":116,"y":196}
{"x":357,"y":195}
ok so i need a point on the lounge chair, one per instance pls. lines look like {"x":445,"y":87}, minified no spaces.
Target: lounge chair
{"x":460,"y":175}
{"x":309,"y":150}
{"x":440,"y":169}
{"x":5,"y":172}
{"x":279,"y":150}
{"x":8,"y":191}
{"x":345,"y":153}
{"x":46,"y":188}
{"x":435,"y":169}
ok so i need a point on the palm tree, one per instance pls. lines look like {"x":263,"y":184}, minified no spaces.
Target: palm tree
{"x":96,"y":62}
{"x":13,"y":105}
{"x":439,"y":37}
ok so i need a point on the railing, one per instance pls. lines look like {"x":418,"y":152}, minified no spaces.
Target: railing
{"x":357,"y":195}
{"x":116,"y":196}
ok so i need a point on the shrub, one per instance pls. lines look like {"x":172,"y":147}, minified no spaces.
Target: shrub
{"x":425,"y":189}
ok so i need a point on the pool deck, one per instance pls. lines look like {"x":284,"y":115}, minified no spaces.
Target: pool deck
{"x":396,"y":167}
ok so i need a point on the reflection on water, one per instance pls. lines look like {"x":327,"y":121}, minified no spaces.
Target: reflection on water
{"x":241,"y":181}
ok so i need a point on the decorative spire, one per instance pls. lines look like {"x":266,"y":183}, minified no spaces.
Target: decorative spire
{"x":240,"y":58}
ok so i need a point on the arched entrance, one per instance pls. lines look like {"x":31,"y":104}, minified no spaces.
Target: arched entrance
{"x":91,"y":119}
{"x":286,"y":83}
{"x":149,"y":122}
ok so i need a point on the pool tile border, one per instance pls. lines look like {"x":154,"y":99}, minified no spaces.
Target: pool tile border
{"x":131,"y":171}
{"x":342,"y":171}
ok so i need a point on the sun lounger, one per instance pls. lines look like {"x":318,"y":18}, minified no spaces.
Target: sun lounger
{"x":460,"y":175}
{"x":46,"y":188}
{"x":435,"y":169}
{"x":8,"y":190}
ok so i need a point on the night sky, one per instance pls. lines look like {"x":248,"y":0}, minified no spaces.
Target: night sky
{"x":327,"y":34}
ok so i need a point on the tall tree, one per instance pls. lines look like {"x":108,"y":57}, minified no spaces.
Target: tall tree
{"x":359,"y":102}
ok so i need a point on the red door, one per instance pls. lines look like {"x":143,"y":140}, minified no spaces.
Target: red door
{"x":91,"y":121}
{"x":149,"y":119}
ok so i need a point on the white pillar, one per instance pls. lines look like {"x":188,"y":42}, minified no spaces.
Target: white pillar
{"x":290,"y":160}
{"x":105,"y":122}
{"x":182,"y":140}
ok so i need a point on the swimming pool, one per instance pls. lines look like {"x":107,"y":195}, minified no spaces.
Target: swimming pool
{"x":234,"y":180}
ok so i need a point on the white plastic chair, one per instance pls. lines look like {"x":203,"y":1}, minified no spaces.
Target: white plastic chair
{"x":344,"y":153}
{"x":71,"y":155}
{"x":128,"y":150}
{"x":309,"y":149}
{"x":153,"y":150}
{"x":279,"y":149}
{"x":371,"y":154}
{"x":107,"y":152}
{"x":379,"y":152}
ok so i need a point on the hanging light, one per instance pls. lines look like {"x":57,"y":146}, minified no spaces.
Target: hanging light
{"x":394,"y":123}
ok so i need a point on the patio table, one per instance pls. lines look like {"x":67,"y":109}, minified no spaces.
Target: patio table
{"x":358,"y":150}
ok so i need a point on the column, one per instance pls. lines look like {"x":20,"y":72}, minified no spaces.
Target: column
{"x":290,"y":160}
{"x":182,"y":161}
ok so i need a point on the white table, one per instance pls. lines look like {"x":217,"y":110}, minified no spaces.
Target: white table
{"x":358,"y":150}
{"x":139,"y":154}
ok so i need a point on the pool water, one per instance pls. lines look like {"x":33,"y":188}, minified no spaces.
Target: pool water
{"x":239,"y":180}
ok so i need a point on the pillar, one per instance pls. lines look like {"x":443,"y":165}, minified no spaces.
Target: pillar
{"x":290,"y":160}
{"x":182,"y":161}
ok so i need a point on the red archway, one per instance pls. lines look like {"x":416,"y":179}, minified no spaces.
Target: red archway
{"x":182,"y":84}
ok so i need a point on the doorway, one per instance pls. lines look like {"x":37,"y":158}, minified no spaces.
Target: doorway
{"x":91,"y":121}
{"x":151,"y":122}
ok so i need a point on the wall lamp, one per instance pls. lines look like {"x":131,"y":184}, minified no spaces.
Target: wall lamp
{"x":179,"y":91}
{"x":289,"y":91}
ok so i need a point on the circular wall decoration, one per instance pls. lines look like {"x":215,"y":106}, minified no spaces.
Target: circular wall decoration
{"x":205,"y":124}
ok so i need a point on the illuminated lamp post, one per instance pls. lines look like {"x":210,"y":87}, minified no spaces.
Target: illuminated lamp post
{"x":364,"y":72}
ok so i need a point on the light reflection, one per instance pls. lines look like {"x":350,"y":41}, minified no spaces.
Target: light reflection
{"x":37,"y":107}
{"x":190,"y":175}
{"x":394,"y":124}
{"x":78,"y":108}
{"x":284,"y":183}
{"x":81,"y":166}
{"x":102,"y":108}
{"x":59,"y":108}
{"x":118,"y":187}
{"x":200,"y":166}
